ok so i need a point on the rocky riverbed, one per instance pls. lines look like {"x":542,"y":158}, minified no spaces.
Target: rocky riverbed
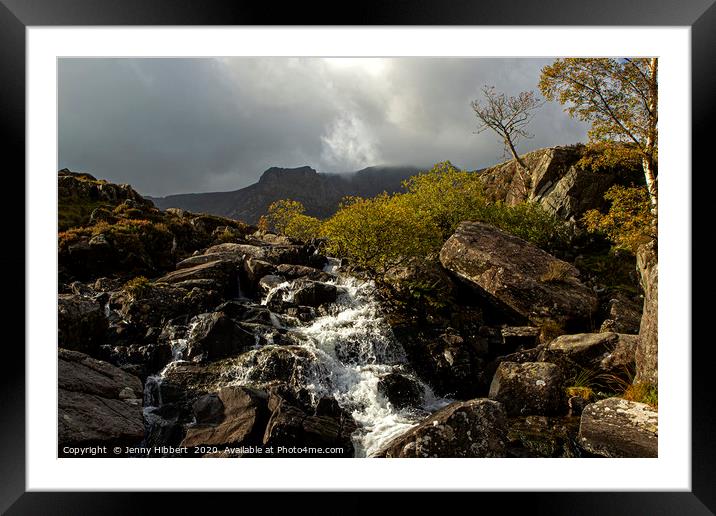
{"x":192,"y":335}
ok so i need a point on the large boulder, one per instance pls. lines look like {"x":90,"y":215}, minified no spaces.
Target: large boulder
{"x":214,"y":336}
{"x":98,"y":403}
{"x":647,"y":351}
{"x":615,"y":427}
{"x":81,"y":323}
{"x":474,"y":428}
{"x":609,"y":353}
{"x":236,"y":252}
{"x":154,"y":304}
{"x":291,"y":272}
{"x":293,"y":428}
{"x":313,"y":293}
{"x":445,"y":361}
{"x":517,"y":276}
{"x":291,"y":368}
{"x":242,"y":415}
{"x":528,"y":388}
{"x":401,"y":390}
{"x":222,"y":276}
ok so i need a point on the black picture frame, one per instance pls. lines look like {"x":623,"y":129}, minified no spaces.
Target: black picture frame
{"x":17,"y":15}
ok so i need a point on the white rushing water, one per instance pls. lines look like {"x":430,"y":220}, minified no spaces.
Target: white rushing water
{"x":353,"y":347}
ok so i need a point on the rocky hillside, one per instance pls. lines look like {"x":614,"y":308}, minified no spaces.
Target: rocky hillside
{"x":195,"y":335}
{"x":319,"y":193}
{"x":557,"y":180}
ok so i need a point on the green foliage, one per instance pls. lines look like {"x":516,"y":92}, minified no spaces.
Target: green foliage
{"x":303,"y":228}
{"x":643,"y":393}
{"x":605,"y":155}
{"x":613,"y":94}
{"x":380,"y":233}
{"x":386,"y":231}
{"x":281,"y":212}
{"x":136,"y":287}
{"x":628,"y":223}
{"x":530,"y":222}
{"x":445,"y":196}
{"x":75,"y":213}
{"x":550,"y":330}
{"x":287,"y":218}
{"x":613,"y":268}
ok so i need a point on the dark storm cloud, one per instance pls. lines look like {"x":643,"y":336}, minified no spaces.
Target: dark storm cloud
{"x":192,"y":125}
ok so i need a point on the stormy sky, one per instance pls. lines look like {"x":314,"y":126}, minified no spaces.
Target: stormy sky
{"x":197,"y":125}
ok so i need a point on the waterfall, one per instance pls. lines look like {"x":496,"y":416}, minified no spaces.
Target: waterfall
{"x":353,"y":347}
{"x":349,"y":349}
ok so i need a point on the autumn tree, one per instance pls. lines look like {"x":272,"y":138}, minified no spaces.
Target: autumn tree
{"x":287,"y":218}
{"x":380,"y":233}
{"x":508,"y":117}
{"x":618,"y":96}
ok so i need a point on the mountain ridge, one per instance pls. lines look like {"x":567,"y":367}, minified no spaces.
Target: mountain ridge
{"x":320,"y":193}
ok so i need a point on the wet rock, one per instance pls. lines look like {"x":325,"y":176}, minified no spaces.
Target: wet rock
{"x":611,"y":353}
{"x":215,"y":336}
{"x":269,"y":282}
{"x":528,"y":388}
{"x":615,"y":427}
{"x":254,"y":270}
{"x":98,"y":403}
{"x":289,"y":254}
{"x":203,"y":259}
{"x":313,"y":293}
{"x":139,"y":359}
{"x":540,"y":436}
{"x":444,"y":361}
{"x":81,"y":323}
{"x":327,"y":406}
{"x":243,"y":418}
{"x":647,"y":370}
{"x":290,"y":427}
{"x":291,"y":366}
{"x":401,"y":390}
{"x":292,"y":272}
{"x":475,"y":428}
{"x":157,"y":303}
{"x":302,"y":313}
{"x":517,"y":276}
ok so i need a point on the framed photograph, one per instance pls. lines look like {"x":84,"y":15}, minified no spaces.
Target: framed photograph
{"x":415,"y":250}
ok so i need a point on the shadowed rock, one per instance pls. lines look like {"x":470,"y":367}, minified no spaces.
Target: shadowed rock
{"x":474,"y":428}
{"x":515,"y":275}
{"x":528,"y":388}
{"x":98,"y":403}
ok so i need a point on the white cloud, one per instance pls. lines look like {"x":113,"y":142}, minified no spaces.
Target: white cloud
{"x":349,"y":144}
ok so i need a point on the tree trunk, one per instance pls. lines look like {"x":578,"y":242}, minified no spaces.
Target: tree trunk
{"x":648,"y":161}
{"x":651,"y":182}
{"x":522,"y":168}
